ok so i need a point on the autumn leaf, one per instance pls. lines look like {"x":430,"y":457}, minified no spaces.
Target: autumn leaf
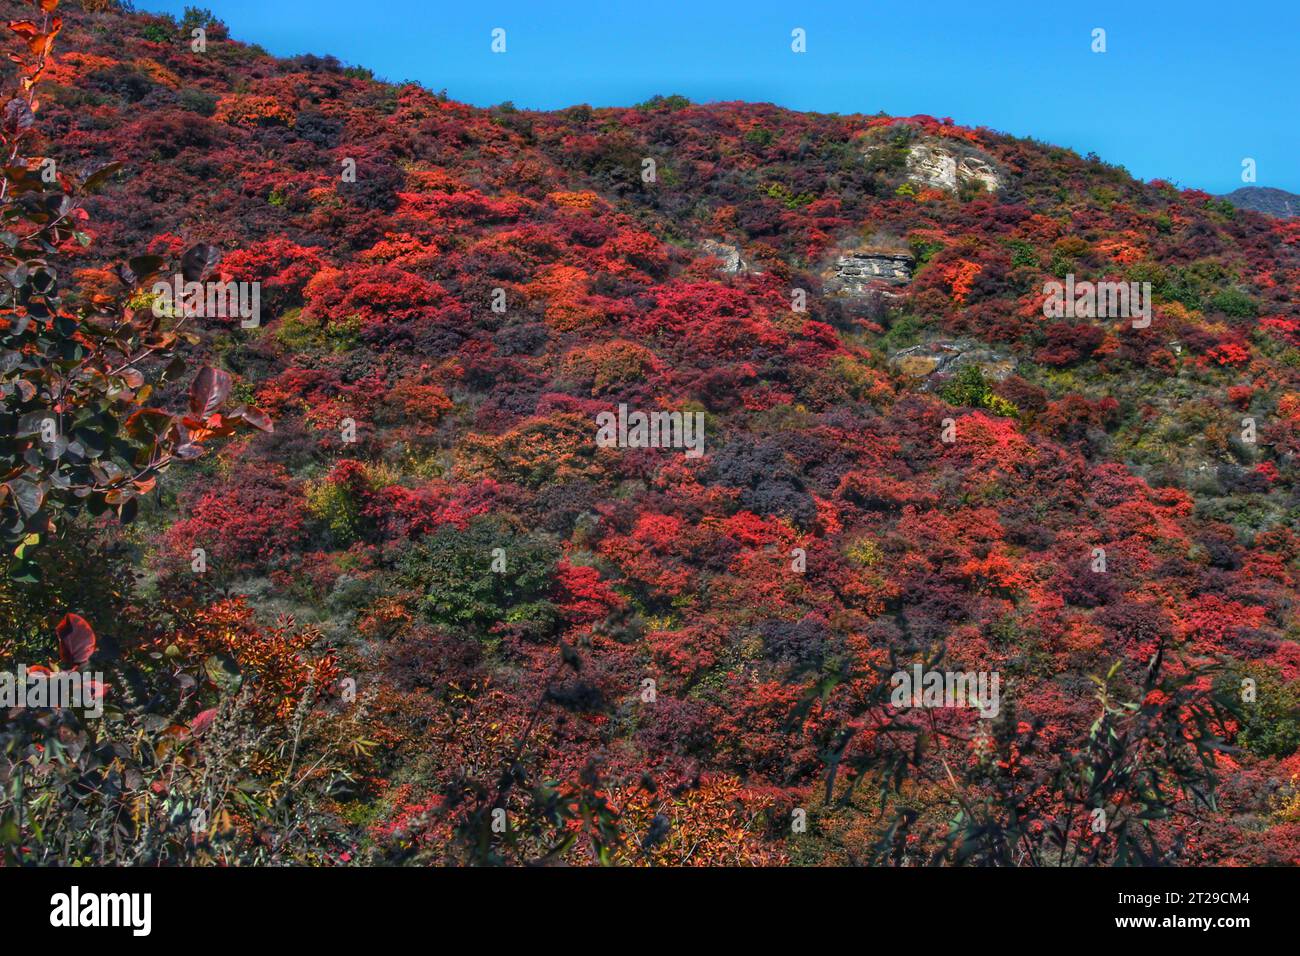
{"x":203,"y":721}
{"x":76,"y":640}
{"x":199,"y":261}
{"x":209,"y":390}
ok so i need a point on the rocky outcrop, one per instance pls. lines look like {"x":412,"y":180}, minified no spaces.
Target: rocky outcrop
{"x":939,"y":164}
{"x":946,"y":357}
{"x":732,"y":261}
{"x":940,"y":168}
{"x":856,"y":271}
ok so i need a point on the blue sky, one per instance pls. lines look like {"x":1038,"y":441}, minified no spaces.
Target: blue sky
{"x":1185,"y":90}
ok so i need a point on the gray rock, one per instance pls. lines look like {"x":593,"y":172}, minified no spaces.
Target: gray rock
{"x":857,"y":270}
{"x":732,"y":261}
{"x":936,"y":166}
{"x":941,"y":164}
{"x":941,"y":358}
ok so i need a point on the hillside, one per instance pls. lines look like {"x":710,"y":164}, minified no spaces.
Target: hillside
{"x":446,"y":598}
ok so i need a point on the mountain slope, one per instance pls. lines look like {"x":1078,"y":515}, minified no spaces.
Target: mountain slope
{"x":904,"y":460}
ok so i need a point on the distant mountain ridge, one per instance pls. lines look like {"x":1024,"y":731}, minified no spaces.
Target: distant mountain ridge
{"x":1275,"y":202}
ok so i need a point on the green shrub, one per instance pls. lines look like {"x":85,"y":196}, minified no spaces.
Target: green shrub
{"x":157,"y":33}
{"x":197,"y":101}
{"x":1234,"y":303}
{"x":335,"y":510}
{"x":1023,"y":254}
{"x":454,"y":568}
{"x":1270,"y":725}
{"x":672,"y":102}
{"x":969,"y":388}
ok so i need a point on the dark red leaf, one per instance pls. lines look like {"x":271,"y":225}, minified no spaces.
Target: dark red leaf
{"x":76,"y":640}
{"x":199,"y":261}
{"x":257,"y":418}
{"x":209,"y":390}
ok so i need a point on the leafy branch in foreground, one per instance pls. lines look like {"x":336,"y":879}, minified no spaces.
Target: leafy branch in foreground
{"x":77,"y":432}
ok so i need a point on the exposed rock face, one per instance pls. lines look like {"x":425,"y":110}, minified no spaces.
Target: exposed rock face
{"x":856,"y":270}
{"x":939,"y":168}
{"x":980,"y":171}
{"x":732,"y":261}
{"x":942,"y":164}
{"x":932,"y":167}
{"x":946,"y":357}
